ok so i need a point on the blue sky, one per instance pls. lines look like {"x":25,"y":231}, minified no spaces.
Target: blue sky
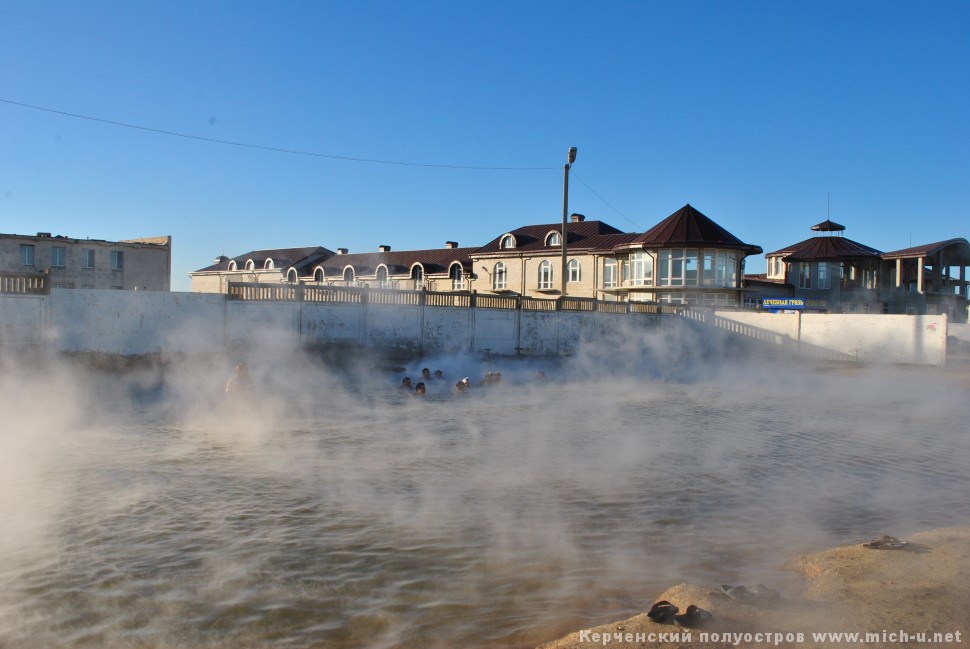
{"x":753,"y":112}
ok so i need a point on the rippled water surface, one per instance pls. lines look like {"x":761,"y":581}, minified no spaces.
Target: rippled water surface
{"x":332,"y":516}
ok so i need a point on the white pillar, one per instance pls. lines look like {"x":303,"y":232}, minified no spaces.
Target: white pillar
{"x":919,"y":276}
{"x":899,"y":272}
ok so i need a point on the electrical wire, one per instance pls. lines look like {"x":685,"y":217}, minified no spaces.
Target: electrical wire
{"x":606,"y":202}
{"x":260,"y":147}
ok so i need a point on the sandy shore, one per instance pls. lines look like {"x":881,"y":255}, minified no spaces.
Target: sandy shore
{"x":923,"y":588}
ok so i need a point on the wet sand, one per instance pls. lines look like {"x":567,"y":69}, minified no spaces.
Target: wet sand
{"x":922,"y":588}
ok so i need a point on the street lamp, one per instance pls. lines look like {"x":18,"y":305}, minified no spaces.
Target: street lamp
{"x":570,"y":159}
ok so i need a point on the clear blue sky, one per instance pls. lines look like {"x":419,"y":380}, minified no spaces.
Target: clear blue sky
{"x":753,"y":112}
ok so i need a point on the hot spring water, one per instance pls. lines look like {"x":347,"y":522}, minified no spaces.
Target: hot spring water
{"x":336,"y":512}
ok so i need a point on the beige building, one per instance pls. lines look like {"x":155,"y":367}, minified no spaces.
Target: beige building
{"x":143,"y":264}
{"x":527,"y":261}
{"x":272,"y":266}
{"x":685,"y":259}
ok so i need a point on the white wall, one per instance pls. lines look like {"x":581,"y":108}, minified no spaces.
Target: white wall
{"x":135,"y":322}
{"x":144,"y":322}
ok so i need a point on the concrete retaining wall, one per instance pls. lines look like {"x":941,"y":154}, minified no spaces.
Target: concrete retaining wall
{"x":918,"y":340}
{"x":135,"y":323}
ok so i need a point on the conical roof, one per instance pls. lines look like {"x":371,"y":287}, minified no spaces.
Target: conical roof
{"x":689,"y":227}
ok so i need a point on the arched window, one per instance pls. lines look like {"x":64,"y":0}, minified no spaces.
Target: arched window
{"x":291,"y":276}
{"x":499,"y":275}
{"x":554,"y":239}
{"x":232,"y":265}
{"x":457,"y":277}
{"x":268,"y":264}
{"x":349,"y":274}
{"x":318,"y":275}
{"x":417,"y":276}
{"x":545,"y":275}
{"x":508,"y":241}
{"x":250,"y":265}
{"x":575,"y":271}
{"x":381,"y":277}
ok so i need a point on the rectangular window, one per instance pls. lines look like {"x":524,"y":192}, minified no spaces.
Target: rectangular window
{"x":824,"y":278}
{"x":58,"y":256}
{"x":87,"y":258}
{"x":690,"y":267}
{"x":804,"y":275}
{"x":609,"y":273}
{"x":117,"y":260}
{"x":641,"y":269}
{"x":26,"y":254}
{"x":673,"y":266}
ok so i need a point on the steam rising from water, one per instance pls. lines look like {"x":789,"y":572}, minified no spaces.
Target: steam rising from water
{"x":335,"y":511}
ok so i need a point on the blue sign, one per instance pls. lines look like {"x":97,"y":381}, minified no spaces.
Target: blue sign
{"x":783,"y":303}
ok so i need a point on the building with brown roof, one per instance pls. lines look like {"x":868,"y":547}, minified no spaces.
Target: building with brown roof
{"x":257,"y":266}
{"x":439,"y":269}
{"x":830,"y":272}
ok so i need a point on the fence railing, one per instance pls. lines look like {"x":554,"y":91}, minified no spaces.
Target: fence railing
{"x":25,"y":283}
{"x":249,"y":291}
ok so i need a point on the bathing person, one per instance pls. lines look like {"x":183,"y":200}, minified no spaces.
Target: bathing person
{"x":540,"y":376}
{"x":419,"y":390}
{"x":438,"y":374}
{"x":426,"y":374}
{"x":239,"y":381}
{"x":406,"y":383}
{"x":463,"y":385}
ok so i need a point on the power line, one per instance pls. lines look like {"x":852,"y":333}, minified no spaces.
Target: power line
{"x":635,"y":225}
{"x":260,"y":147}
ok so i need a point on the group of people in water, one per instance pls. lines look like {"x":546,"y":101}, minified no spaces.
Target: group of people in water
{"x":240,"y":383}
{"x":461,"y":387}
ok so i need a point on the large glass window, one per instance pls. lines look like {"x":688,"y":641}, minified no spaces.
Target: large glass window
{"x":609,"y":273}
{"x":499,"y":277}
{"x":804,"y":275}
{"x":545,"y":275}
{"x":508,"y":241}
{"x":417,"y":276}
{"x":381,"y":277}
{"x":554,"y":239}
{"x":641,"y":269}
{"x":87,"y":258}
{"x":117,"y":260}
{"x":677,"y":267}
{"x":26,"y":254}
{"x":58,"y":256}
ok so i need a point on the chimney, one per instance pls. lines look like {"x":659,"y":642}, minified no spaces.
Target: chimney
{"x":341,"y":251}
{"x":451,"y":244}
{"x":384,"y":248}
{"x":577,"y":218}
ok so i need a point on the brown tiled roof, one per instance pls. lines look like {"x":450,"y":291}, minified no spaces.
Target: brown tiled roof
{"x":688,"y":227}
{"x":825,"y":249}
{"x":959,"y":253}
{"x":434,"y":261}
{"x":282,"y":258}
{"x":532,"y":238}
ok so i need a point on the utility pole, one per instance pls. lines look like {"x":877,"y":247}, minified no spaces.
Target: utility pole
{"x":570,"y":159}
